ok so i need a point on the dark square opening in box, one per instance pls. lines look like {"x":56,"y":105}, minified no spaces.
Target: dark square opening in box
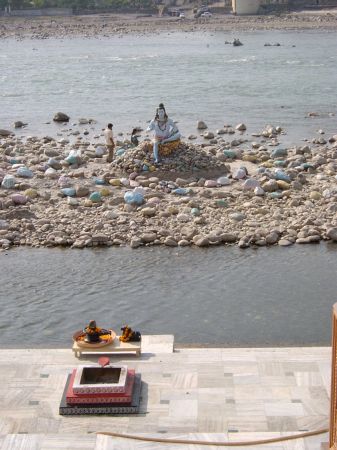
{"x":100,"y":375}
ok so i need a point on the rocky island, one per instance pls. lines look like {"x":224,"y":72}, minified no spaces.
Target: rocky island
{"x":230,"y":188}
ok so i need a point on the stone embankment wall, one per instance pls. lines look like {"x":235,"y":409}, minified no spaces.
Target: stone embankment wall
{"x":40,"y":12}
{"x":300,"y":4}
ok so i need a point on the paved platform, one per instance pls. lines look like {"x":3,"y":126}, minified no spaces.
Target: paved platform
{"x":193,"y":393}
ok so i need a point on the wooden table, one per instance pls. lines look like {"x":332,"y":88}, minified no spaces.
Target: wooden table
{"x":115,"y":347}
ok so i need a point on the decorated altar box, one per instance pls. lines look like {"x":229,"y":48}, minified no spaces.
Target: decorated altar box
{"x":107,"y":397}
{"x":67,"y":409}
{"x":100,"y":380}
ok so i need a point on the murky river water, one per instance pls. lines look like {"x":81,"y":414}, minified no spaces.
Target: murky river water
{"x":196,"y":75}
{"x":269,"y":296}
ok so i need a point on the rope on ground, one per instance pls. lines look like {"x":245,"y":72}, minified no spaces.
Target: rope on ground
{"x":218,"y":444}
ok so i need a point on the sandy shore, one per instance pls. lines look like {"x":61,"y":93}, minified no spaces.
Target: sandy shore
{"x":117,"y":24}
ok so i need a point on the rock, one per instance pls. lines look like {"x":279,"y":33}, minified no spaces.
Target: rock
{"x":223,"y":181}
{"x":270,"y":186}
{"x":279,"y":153}
{"x":210,"y":183}
{"x":134,"y":198}
{"x":31,"y":193}
{"x":19,"y":124}
{"x":64,"y":181}
{"x":183,"y":243}
{"x":181,"y":182}
{"x":332,"y":234}
{"x":24,"y":172}
{"x":250,"y":157}
{"x":280,"y":175}
{"x":237,"y":216}
{"x":283,"y":185}
{"x":51,"y":173}
{"x":259,"y":191}
{"x":201,"y":242}
{"x":284,"y":243}
{"x":272,"y":238}
{"x":51,"y":152}
{"x":241,"y":127}
{"x":183,"y":217}
{"x":314,"y":195}
{"x":68,"y":192}
{"x":110,"y":215}
{"x":149,"y":212}
{"x":308,"y":240}
{"x":8,"y":182}
{"x":250,"y":184}
{"x":135,"y":242}
{"x":4,"y":225}
{"x":72,"y":201}
{"x":296,"y":185}
{"x":170,"y":242}
{"x":105,"y":192}
{"x":148,"y":237}
{"x":195,"y":212}
{"x":180,"y":191}
{"x":229,"y":238}
{"x":61,"y":117}
{"x":19,"y":199}
{"x":81,"y":191}
{"x":5,"y":133}
{"x":231,"y":154}
{"x":243,"y":243}
{"x":201,"y":125}
{"x":208,"y":135}
{"x":115,"y":182}
{"x":95,"y":197}
{"x":240,"y":173}
{"x":87,"y":203}
{"x":100,"y":238}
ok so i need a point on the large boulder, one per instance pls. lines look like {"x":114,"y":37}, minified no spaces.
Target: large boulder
{"x":201,"y":125}
{"x":332,"y":234}
{"x":61,"y":117}
{"x":5,"y":133}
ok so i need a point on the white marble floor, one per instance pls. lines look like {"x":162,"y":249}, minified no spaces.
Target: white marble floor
{"x":215,"y":394}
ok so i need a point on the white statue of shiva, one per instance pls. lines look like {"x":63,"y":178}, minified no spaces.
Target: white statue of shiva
{"x":164,"y":131}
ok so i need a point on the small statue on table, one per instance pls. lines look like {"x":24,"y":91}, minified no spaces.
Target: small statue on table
{"x":129,"y":335}
{"x":93,"y":332}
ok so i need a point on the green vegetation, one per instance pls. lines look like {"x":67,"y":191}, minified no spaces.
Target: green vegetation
{"x":77,"y":4}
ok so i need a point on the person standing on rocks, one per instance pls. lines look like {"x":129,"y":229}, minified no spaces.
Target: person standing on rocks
{"x":109,"y":142}
{"x":164,"y":130}
{"x":134,"y":137}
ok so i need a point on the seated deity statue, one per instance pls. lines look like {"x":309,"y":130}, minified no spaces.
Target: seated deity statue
{"x":166,"y":134}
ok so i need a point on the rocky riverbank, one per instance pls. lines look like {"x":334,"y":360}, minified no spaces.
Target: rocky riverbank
{"x":117,"y":24}
{"x":231,"y":188}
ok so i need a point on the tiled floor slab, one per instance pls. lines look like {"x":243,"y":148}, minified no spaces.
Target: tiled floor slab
{"x":236,"y":392}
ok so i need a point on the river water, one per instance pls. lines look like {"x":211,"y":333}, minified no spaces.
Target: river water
{"x":196,"y":75}
{"x":221,"y":295}
{"x":224,"y":295}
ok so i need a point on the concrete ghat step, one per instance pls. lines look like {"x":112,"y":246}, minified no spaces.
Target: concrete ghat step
{"x":47,"y":442}
{"x":113,"y":443}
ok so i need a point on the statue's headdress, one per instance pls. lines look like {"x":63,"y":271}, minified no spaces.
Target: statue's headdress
{"x":161,"y":106}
